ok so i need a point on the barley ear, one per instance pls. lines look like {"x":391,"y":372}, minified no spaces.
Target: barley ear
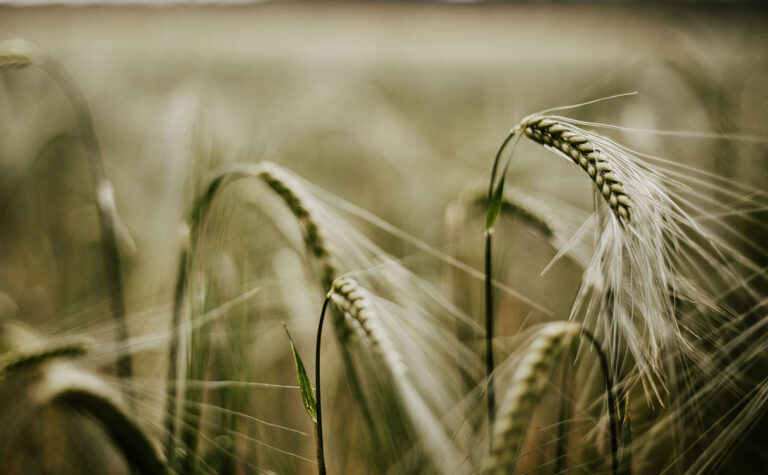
{"x":22,"y":359}
{"x":66,"y":386}
{"x":584,"y":152}
{"x":527,"y":387}
{"x":18,"y":54}
{"x":299,"y":204}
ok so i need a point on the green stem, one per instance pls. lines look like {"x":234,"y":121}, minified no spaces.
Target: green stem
{"x":612,"y":410}
{"x":105,"y":206}
{"x":489,"y":365}
{"x":172,"y":387}
{"x":561,"y":451}
{"x":496,"y":162}
{"x":319,"y":423}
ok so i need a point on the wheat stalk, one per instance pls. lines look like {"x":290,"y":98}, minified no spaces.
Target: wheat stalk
{"x":527,"y":387}
{"x":517,"y":206}
{"x":299,"y":204}
{"x":171,"y":403}
{"x":18,"y":53}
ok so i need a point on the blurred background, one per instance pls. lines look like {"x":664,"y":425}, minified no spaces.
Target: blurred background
{"x":394,"y":106}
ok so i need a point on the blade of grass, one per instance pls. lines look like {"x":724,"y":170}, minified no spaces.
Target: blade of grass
{"x":311,"y":405}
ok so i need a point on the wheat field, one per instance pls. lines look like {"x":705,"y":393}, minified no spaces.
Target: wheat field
{"x":396,"y":238}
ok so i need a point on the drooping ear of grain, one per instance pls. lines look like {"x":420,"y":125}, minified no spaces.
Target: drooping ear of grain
{"x":17,"y":54}
{"x":64,"y":385}
{"x":350,"y":298}
{"x":527,"y":387}
{"x":298,"y":203}
{"x":40,"y":373}
{"x":583,"y":152}
{"x":21,"y":359}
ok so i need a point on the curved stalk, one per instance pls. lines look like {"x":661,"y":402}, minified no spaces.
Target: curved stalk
{"x":172,"y":389}
{"x":612,"y":409}
{"x":319,"y":423}
{"x":105,"y":205}
{"x":489,"y":363}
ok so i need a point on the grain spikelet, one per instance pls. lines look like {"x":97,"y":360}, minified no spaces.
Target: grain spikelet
{"x":567,"y":140}
{"x":527,"y":386}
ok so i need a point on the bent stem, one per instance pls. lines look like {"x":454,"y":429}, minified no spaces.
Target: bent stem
{"x":171,"y":401}
{"x":319,"y":421}
{"x":105,"y":205}
{"x":612,"y":410}
{"x":489,"y":364}
{"x":494,"y":207}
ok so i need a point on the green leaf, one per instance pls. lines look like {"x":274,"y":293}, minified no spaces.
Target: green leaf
{"x":625,"y":453}
{"x":494,"y":207}
{"x":307,"y":395}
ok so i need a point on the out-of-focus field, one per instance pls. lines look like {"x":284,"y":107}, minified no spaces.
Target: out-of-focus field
{"x":394,"y":107}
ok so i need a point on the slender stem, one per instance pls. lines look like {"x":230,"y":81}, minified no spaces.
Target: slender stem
{"x":104,"y":204}
{"x":489,"y":365}
{"x":612,"y":412}
{"x":172,"y":389}
{"x":561,"y":451}
{"x":319,"y":411}
{"x":491,"y":395}
{"x":496,"y":162}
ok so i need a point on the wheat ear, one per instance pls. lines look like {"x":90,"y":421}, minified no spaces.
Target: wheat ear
{"x":64,"y":385}
{"x":527,"y":386}
{"x":21,"y":359}
{"x":348,"y":297}
{"x":284,"y":186}
{"x":297,"y":200}
{"x":566,"y":140}
{"x":359,"y":316}
{"x":575,"y":145}
{"x":18,"y":53}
